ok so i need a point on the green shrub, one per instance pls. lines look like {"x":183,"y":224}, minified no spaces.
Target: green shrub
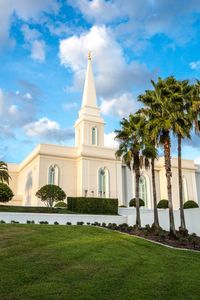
{"x":60,"y":204}
{"x":68,"y":223}
{"x":14,"y":222}
{"x":6,"y":193}
{"x":56,"y":223}
{"x":80,"y":223}
{"x":190,"y":204}
{"x":44,"y":222}
{"x":122,"y":206}
{"x":107,"y":206}
{"x":163,"y":204}
{"x":133,"y":202}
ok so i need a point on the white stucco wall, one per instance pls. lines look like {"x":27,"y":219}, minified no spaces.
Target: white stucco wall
{"x":192,"y":218}
{"x":62,"y":219}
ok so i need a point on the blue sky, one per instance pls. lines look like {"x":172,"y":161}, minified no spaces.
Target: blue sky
{"x":43,"y":58}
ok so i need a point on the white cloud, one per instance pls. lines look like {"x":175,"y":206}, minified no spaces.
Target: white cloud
{"x":195,"y":65}
{"x":46,"y":129}
{"x":38,"y":50}
{"x":69,"y":106}
{"x":138,"y":20}
{"x":109,"y":140}
{"x":24,"y":10}
{"x":121,"y":106}
{"x":13,"y":110}
{"x":113,"y":75}
{"x":30,"y":34}
{"x":28,"y":96}
{"x":13,"y":107}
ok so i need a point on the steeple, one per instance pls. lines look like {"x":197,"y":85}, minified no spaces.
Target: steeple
{"x":89,"y":128}
{"x":89,"y":92}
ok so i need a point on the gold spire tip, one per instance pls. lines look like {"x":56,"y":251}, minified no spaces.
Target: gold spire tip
{"x":89,"y":55}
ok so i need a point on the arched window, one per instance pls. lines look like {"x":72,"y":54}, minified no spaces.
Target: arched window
{"x":103,"y":182}
{"x":94,"y":135}
{"x":143,"y":190}
{"x":53,"y":175}
{"x":185,"y":190}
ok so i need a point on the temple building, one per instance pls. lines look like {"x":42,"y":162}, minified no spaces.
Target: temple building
{"x":91,"y":169}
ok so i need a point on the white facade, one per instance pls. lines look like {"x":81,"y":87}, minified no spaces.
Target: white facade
{"x":90,"y":169}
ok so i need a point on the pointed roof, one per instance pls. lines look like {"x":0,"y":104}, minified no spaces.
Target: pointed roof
{"x":89,"y":92}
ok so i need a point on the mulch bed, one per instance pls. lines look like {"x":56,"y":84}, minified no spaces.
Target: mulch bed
{"x":191,"y":242}
{"x":181,"y":240}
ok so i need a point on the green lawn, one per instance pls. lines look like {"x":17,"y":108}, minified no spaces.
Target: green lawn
{"x":80,"y":262}
{"x":34,"y":209}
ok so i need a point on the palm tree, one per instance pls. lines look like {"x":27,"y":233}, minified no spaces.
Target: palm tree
{"x":182,"y":129}
{"x":4,"y":176}
{"x":151,"y":153}
{"x":163,"y":105}
{"x":130,"y":145}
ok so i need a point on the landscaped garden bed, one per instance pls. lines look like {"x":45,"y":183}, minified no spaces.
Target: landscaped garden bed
{"x":181,"y":240}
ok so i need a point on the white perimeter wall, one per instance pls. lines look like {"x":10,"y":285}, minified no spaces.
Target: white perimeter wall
{"x":61,"y":218}
{"x":192,"y":218}
{"x":127,"y":215}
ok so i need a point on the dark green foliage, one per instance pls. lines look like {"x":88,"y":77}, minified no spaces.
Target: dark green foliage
{"x":96,"y":224}
{"x":6,"y":193}
{"x":33,"y":209}
{"x":2,"y":222}
{"x":190,"y":204}
{"x":68,"y":223}
{"x":133,"y":202}
{"x":51,"y":193}
{"x":14,"y":222}
{"x":107,"y":206}
{"x":123,"y":206}
{"x":56,"y":223}
{"x":30,"y":222}
{"x":44,"y":222}
{"x":163,"y":204}
{"x":60,"y":204}
{"x":80,"y":223}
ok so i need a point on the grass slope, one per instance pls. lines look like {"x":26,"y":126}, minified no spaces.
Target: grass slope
{"x":34,"y":209}
{"x":79,"y":262}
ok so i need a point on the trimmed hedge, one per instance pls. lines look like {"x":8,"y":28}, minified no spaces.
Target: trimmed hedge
{"x":133,"y":202}
{"x":163,"y":204}
{"x":190,"y":204}
{"x":87,"y":205}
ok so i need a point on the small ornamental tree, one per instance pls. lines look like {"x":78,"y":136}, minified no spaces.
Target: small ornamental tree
{"x":6,"y":193}
{"x":51,"y":193}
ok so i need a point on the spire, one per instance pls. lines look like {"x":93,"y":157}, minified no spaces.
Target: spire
{"x":89,"y":92}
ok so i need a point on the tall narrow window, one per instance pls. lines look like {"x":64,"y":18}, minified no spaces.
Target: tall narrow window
{"x":53,"y":175}
{"x":94,"y":136}
{"x":103,"y":179}
{"x":143,"y":190}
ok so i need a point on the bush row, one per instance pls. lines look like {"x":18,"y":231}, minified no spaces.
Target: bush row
{"x":106,"y":206}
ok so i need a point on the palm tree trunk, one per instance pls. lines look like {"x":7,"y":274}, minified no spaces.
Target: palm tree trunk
{"x":156,"y":221}
{"x":137,"y":180}
{"x":182,"y":216}
{"x":167,"y":155}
